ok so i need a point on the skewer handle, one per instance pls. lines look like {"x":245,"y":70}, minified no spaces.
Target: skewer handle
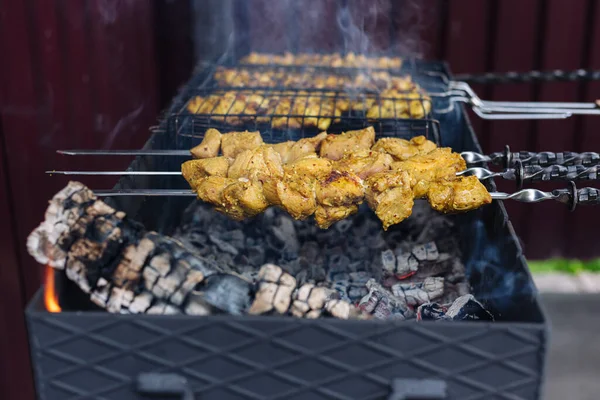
{"x":588,"y":196}
{"x":538,"y":173}
{"x":544,"y":159}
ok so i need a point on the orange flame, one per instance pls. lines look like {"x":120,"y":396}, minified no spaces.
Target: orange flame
{"x":50,"y":298}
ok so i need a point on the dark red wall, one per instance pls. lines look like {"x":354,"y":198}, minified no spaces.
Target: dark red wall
{"x":95,"y":74}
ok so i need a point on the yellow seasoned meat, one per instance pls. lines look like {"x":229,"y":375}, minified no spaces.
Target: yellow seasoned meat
{"x":365,"y":163}
{"x":297,"y":195}
{"x":402,"y":149}
{"x":210,"y":145}
{"x":291,"y":151}
{"x":436,"y":165}
{"x":332,"y":189}
{"x":262,"y":165}
{"x":310,"y":167}
{"x":243,"y":199}
{"x":210,"y":189}
{"x":326,"y":216}
{"x":340,"y":189}
{"x":462,"y":194}
{"x":389,"y":194}
{"x":335,"y":146}
{"x":194,"y":170}
{"x":233,"y":143}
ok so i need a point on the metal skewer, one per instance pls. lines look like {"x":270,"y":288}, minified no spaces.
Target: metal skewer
{"x":571,"y":196}
{"x":480,"y":173}
{"x":78,"y":152}
{"x":507,"y":157}
{"x":530,"y":173}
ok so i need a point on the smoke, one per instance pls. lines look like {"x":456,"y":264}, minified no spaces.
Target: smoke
{"x":229,"y":29}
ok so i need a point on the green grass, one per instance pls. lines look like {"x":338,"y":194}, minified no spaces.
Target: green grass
{"x":564,"y":266}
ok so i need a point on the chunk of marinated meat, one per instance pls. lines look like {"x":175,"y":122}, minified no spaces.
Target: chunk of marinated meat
{"x":462,"y":194}
{"x":297,"y":195}
{"x":365,"y":163}
{"x":335,"y":146}
{"x":263,"y":165}
{"x":389,"y":194}
{"x":210,"y":145}
{"x":310,"y":167}
{"x":194,"y":170}
{"x":243,"y":199}
{"x":294,"y":150}
{"x":436,"y":165}
{"x":210,"y":189}
{"x":325,"y":216}
{"x":233,"y":143}
{"x":340,"y":189}
{"x":402,"y":149}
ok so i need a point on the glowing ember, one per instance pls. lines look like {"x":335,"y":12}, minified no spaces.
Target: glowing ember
{"x":50,"y":299}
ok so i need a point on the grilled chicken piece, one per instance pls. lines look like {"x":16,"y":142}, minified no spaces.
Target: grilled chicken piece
{"x":335,"y":146}
{"x":389,"y":194}
{"x":297,"y":190}
{"x":210,"y":145}
{"x":365,"y":163}
{"x":402,"y":149}
{"x":262,"y":165}
{"x":194,"y":170}
{"x":338,"y":196}
{"x":340,"y":189}
{"x":291,"y":151}
{"x":243,"y":199}
{"x":210,"y":189}
{"x":326,"y":216}
{"x":237,"y":198}
{"x":311,"y":167}
{"x":462,"y":194}
{"x":297,"y":195}
{"x":436,"y":165}
{"x":233,"y":143}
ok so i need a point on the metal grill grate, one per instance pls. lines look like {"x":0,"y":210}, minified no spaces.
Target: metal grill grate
{"x":297,"y":114}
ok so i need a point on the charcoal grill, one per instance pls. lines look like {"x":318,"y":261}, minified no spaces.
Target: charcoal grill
{"x":82,"y":352}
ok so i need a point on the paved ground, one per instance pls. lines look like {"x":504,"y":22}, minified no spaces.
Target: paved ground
{"x":573,"y":369}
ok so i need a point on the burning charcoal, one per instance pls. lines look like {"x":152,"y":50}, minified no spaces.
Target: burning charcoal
{"x":343,"y":226}
{"x":406,"y":265}
{"x":466,"y":308}
{"x":376,"y":241}
{"x":453,"y":291}
{"x":275,"y":288}
{"x":256,"y":255}
{"x":388,"y":259}
{"x":223,"y":245}
{"x":338,"y":262}
{"x":286,"y":233}
{"x":344,"y":310}
{"x":420,"y":293}
{"x":98,"y":245}
{"x":163,"y":308}
{"x":457,"y":271}
{"x":342,"y":288}
{"x":235,"y":237}
{"x":226,"y":292}
{"x":309,"y":300}
{"x":310,"y":251}
{"x":431,"y":312}
{"x":382,"y":304}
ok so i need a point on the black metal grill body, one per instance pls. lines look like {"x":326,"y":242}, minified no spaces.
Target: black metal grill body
{"x":93,"y":354}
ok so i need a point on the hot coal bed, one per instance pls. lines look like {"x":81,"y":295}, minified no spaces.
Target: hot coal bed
{"x":492,"y":348}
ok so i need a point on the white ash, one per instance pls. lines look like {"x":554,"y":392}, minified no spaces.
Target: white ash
{"x":382,"y":304}
{"x":416,"y":294}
